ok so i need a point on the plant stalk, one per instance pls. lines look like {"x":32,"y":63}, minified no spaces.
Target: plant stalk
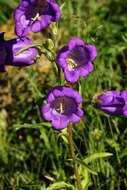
{"x":73,"y":156}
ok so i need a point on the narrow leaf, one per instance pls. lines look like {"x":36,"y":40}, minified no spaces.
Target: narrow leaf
{"x":97,"y":156}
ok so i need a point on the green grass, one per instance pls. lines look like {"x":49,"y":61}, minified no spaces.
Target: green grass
{"x":35,"y":157}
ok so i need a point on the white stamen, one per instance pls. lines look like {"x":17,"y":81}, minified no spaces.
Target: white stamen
{"x":37,"y":17}
{"x":71,"y":64}
{"x":61,"y":105}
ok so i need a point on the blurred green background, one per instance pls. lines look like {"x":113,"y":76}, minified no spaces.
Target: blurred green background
{"x":32,"y":155}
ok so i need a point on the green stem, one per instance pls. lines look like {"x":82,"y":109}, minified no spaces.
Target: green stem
{"x":60,"y":75}
{"x":74,"y":157}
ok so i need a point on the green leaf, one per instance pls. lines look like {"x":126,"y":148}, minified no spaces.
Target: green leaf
{"x":112,"y":143}
{"x":32,"y":126}
{"x":86,"y":179}
{"x":87,"y":167}
{"x":124,"y":153}
{"x":10,"y":3}
{"x":59,"y":185}
{"x":97,"y":156}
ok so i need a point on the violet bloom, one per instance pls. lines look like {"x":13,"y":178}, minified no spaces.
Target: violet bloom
{"x":9,"y":52}
{"x":35,"y":15}
{"x":63,"y":107}
{"x":76,"y":59}
{"x":113,"y":102}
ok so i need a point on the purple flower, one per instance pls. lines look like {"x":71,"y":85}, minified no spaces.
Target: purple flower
{"x":35,"y":15}
{"x":76,"y":59}
{"x":9,"y":52}
{"x":113,"y":102}
{"x":62,"y":107}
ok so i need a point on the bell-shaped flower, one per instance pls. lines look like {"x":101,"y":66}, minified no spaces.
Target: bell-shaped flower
{"x":113,"y":102}
{"x":35,"y":15}
{"x":76,"y":59}
{"x":63,"y":107}
{"x":10,"y":52}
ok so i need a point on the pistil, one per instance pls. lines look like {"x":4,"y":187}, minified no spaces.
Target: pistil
{"x":61,"y":108}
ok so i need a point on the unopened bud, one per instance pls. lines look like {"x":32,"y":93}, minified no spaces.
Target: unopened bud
{"x":50,"y":44}
{"x":54,"y":29}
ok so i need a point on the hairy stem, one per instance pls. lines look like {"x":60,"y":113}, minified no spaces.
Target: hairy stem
{"x":74,"y":157}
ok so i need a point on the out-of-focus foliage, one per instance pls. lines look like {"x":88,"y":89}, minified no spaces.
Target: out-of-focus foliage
{"x":35,"y":157}
{"x":6,"y":8}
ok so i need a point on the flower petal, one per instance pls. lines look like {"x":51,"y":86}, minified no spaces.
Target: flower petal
{"x":20,"y":30}
{"x":106,"y":98}
{"x":36,"y":26}
{"x":80,"y":112}
{"x":71,"y":76}
{"x":18,"y":13}
{"x":56,"y":11}
{"x":75,"y":42}
{"x":50,"y":97}
{"x":46,"y":112}
{"x":61,"y":57}
{"x":110,"y":110}
{"x":125,"y":111}
{"x":92,"y":51}
{"x":83,"y":72}
{"x":62,"y":63}
{"x":123,"y":93}
{"x":60,"y":122}
{"x":57,"y":93}
{"x":45,"y":20}
{"x":86,"y":69}
{"x":75,"y":118}
{"x":89,"y":67}
{"x":69,"y":92}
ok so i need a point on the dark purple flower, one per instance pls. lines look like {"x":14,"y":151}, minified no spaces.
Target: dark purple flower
{"x":113,"y":102}
{"x":76,"y":59}
{"x":25,"y":58}
{"x":3,"y":53}
{"x":35,"y":15}
{"x":63,"y":107}
{"x":9,"y":52}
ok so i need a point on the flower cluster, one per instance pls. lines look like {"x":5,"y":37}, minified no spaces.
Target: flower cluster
{"x":75,"y":58}
{"x":30,"y":16}
{"x":63,"y":103}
